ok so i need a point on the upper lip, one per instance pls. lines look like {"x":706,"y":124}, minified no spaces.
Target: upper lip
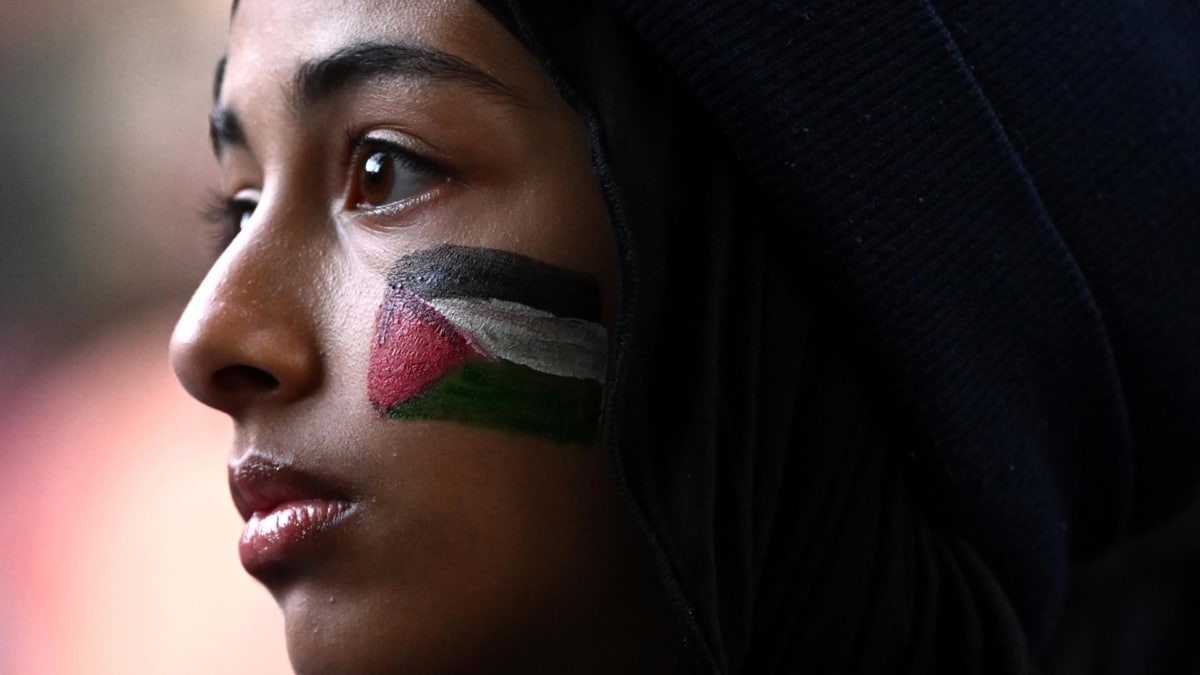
{"x":260,"y":484}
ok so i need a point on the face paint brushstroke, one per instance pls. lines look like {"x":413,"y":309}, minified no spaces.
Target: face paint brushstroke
{"x":490,"y":338}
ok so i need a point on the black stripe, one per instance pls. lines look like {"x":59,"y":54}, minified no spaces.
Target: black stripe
{"x":450,"y":271}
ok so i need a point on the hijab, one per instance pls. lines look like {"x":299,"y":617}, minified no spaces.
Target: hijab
{"x":908,"y":309}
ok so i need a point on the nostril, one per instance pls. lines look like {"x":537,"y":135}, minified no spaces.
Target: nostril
{"x":244,"y":379}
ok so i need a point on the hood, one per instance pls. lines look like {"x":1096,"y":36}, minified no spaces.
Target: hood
{"x":908,"y":310}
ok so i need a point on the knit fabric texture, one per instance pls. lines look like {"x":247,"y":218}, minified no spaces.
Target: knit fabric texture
{"x":937,"y":266}
{"x":1004,"y":199}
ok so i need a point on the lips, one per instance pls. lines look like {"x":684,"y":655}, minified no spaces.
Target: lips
{"x":287,"y":512}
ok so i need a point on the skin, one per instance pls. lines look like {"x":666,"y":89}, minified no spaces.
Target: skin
{"x":469,"y":549}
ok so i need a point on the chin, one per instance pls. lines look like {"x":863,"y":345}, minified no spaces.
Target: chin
{"x":336,"y":632}
{"x":329,"y":634}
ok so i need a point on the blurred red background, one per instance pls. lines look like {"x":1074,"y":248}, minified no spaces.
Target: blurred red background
{"x":117,"y":539}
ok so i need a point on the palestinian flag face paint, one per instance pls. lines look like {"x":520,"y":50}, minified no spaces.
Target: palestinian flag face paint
{"x":490,"y":338}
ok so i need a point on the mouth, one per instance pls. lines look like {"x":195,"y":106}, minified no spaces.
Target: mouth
{"x":287,"y":512}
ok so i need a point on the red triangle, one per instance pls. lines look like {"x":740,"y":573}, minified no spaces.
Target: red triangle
{"x":414,"y":347}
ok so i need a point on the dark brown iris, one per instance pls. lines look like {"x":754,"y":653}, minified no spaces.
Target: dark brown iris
{"x":377,"y":179}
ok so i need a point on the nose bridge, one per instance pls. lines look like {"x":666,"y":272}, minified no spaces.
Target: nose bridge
{"x":249,"y":334}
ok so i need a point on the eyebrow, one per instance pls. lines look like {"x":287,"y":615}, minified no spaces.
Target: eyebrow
{"x":325,"y":77}
{"x":225,"y":129}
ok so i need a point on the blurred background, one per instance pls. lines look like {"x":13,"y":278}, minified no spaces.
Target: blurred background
{"x":117,"y":536}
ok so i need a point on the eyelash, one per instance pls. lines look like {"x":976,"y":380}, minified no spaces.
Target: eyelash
{"x":225,"y":215}
{"x":367,"y":146}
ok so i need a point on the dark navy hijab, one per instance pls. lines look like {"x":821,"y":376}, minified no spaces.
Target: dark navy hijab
{"x":909,"y":310}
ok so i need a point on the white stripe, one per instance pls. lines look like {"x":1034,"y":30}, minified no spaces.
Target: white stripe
{"x":531,"y":337}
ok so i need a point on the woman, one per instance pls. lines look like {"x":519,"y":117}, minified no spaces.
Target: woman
{"x":708,"y":337}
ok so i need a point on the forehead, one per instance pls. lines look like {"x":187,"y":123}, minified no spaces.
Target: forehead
{"x":273,"y":39}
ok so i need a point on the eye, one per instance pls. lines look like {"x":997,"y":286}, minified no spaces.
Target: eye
{"x":385,"y":173}
{"x":229,"y":215}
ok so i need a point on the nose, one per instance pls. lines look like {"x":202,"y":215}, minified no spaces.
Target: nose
{"x":246,"y":338}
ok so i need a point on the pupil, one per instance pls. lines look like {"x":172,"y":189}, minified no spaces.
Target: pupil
{"x":375,"y":168}
{"x":376,"y":181}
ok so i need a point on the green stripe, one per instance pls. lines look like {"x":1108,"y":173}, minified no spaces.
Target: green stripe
{"x":508,"y":396}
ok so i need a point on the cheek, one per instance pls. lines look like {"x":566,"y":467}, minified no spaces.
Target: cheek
{"x":492,"y":339}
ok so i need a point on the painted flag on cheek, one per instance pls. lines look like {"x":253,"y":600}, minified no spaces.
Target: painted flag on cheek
{"x":490,"y":338}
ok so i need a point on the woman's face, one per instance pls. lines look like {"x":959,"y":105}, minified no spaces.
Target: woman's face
{"x":409,"y":331}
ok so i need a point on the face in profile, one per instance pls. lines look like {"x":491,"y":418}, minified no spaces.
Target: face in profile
{"x":409,"y":327}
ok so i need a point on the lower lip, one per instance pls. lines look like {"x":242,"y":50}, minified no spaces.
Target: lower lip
{"x":270,"y":539}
